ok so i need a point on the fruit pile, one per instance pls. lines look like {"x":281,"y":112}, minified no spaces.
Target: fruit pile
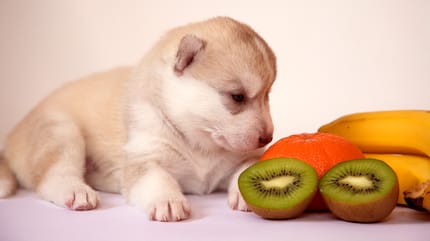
{"x":320,"y":150}
{"x":328,"y":170}
{"x":315,"y":172}
{"x":401,"y":138}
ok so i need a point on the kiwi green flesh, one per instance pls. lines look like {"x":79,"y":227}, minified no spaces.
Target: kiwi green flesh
{"x":275,"y":185}
{"x":358,"y":181}
{"x":362,"y":190}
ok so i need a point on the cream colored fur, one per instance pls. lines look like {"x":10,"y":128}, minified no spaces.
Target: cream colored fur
{"x":187,"y":119}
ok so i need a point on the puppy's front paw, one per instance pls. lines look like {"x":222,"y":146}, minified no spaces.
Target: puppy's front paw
{"x":170,"y":209}
{"x":236,"y":201}
{"x":71,"y":193}
{"x":164,"y":206}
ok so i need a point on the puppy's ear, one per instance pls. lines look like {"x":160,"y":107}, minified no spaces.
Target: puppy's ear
{"x":189,"y":47}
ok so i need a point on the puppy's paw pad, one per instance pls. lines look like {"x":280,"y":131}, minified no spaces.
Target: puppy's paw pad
{"x":170,"y":210}
{"x":236,"y":201}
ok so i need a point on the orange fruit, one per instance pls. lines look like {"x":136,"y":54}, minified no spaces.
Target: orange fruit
{"x":321,"y":150}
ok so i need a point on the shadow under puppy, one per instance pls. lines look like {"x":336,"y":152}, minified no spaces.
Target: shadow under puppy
{"x":187,"y":119}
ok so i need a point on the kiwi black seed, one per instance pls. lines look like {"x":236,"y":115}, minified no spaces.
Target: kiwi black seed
{"x":361,"y":190}
{"x":278,"y":188}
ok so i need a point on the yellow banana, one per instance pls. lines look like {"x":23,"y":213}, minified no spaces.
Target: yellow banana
{"x":410,"y":169}
{"x":397,"y":131}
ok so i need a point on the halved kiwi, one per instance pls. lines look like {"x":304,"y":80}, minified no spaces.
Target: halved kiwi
{"x":278,"y":188}
{"x":361,"y":190}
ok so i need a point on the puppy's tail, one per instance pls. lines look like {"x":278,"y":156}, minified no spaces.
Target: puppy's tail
{"x":8,"y":183}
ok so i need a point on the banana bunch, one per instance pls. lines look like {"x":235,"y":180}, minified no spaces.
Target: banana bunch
{"x":401,"y":138}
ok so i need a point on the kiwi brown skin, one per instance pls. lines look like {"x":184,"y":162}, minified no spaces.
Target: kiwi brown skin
{"x":277,"y":214}
{"x":370,"y":212}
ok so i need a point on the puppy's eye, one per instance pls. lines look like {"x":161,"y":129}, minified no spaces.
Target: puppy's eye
{"x":239,"y":98}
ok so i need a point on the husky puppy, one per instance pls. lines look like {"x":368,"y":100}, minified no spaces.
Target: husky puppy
{"x":186,"y":120}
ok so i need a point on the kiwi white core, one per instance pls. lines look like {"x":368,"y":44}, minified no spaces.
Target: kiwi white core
{"x":278,"y":182}
{"x":357,"y":181}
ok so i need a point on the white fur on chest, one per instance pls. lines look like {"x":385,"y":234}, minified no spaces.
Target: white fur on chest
{"x":196,"y":171}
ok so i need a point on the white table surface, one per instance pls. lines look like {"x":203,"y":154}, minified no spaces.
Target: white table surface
{"x":25,"y":217}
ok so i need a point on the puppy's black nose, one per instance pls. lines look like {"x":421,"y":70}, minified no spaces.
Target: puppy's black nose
{"x":264,"y":140}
